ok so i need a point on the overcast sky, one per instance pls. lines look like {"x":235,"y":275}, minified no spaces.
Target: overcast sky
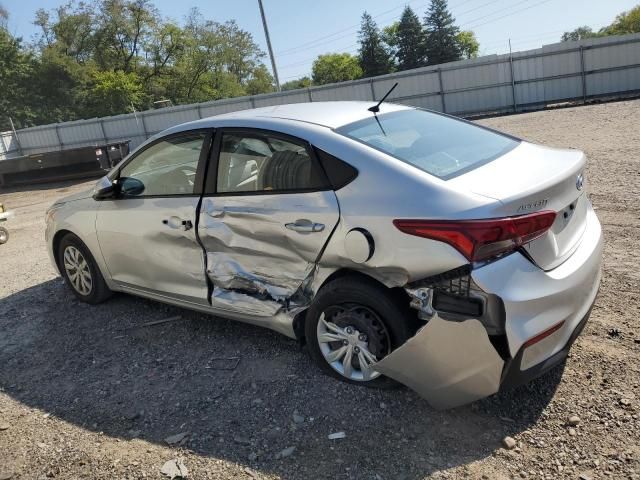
{"x":301,"y":30}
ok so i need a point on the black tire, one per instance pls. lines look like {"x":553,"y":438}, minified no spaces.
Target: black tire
{"x":356,"y":290}
{"x":99,"y":291}
{"x":4,"y":235}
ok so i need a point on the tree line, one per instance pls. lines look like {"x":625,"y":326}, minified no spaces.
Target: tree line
{"x":626,"y":22}
{"x":116,"y":56}
{"x":403,"y":45}
{"x":109,"y":57}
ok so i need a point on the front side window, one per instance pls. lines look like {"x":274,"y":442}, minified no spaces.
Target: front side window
{"x":437,"y":144}
{"x":167,"y":167}
{"x":263,"y":163}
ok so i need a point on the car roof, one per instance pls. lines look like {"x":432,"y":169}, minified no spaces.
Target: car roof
{"x":327,"y":114}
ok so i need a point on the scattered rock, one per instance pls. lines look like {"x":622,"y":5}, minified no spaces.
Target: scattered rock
{"x":337,"y":435}
{"x":253,"y":456}
{"x":584,"y":476}
{"x":251,"y":473}
{"x":6,"y":475}
{"x":242,"y":440}
{"x":613,"y":333}
{"x":625,"y":401}
{"x":572,"y":432}
{"x":383,"y":405}
{"x":177,"y":438}
{"x":573,"y":420}
{"x":287,"y":452}
{"x":4,"y":426}
{"x":508,"y":443}
{"x":297,"y":418}
{"x":174,"y":469}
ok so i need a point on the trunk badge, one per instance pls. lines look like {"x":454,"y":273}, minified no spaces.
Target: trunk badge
{"x":579,"y":182}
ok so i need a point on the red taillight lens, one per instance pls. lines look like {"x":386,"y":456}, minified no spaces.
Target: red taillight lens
{"x":481,"y":239}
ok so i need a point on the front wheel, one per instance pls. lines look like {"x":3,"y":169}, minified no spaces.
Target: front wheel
{"x":352,"y":324}
{"x":4,"y":235}
{"x":80,"y":271}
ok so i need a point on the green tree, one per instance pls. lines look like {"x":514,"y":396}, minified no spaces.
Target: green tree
{"x":123,"y":27}
{"x":410,"y":43}
{"x":626,"y":22}
{"x":389,"y":36}
{"x":468,"y":44}
{"x":374,"y":57}
{"x":441,"y":44}
{"x":261,"y":81}
{"x":16,"y":71}
{"x":579,"y":33}
{"x":335,"y":67}
{"x":112,"y":93}
{"x":4,"y":17}
{"x":303,"y":82}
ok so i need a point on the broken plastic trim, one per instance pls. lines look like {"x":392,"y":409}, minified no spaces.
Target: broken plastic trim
{"x":447,"y":363}
{"x":455,"y":296}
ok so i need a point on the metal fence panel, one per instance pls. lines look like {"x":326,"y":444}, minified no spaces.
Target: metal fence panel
{"x":524,"y":80}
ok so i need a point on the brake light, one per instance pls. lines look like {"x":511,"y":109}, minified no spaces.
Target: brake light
{"x":482,"y":239}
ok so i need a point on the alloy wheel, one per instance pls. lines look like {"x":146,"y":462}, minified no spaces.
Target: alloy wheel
{"x":352,"y":338}
{"x":77,"y":270}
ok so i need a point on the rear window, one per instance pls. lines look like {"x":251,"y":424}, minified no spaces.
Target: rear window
{"x":437,"y":144}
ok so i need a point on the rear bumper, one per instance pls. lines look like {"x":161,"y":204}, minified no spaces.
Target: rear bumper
{"x":513,"y":374}
{"x":536,"y":301}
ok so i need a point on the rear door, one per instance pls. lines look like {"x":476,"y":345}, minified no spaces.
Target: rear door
{"x":266,"y":214}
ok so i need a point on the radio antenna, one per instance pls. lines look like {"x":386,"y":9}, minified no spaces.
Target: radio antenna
{"x":376,"y":108}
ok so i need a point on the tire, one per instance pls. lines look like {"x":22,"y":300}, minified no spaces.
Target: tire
{"x":98,"y":291}
{"x":364,"y":304}
{"x":4,"y":235}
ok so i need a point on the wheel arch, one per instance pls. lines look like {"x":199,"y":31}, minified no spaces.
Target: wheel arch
{"x":398,"y":294}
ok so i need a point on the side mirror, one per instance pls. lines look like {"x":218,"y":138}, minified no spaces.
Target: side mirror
{"x":104,"y":189}
{"x":130,"y":186}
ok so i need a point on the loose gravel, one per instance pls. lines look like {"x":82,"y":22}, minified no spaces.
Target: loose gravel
{"x":86,"y":392}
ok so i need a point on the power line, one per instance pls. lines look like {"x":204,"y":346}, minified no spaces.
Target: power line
{"x":493,"y":13}
{"x":311,"y":42}
{"x":348,"y":48}
{"x":317,"y":42}
{"x":510,"y":14}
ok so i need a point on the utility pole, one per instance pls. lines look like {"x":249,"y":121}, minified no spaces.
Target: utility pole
{"x":266,"y":34}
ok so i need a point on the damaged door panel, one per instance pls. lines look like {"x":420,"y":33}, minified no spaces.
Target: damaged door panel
{"x":256,"y":264}
{"x":449,"y":363}
{"x":267,"y":213}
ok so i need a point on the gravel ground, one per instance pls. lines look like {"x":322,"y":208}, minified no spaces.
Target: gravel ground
{"x":86,"y":392}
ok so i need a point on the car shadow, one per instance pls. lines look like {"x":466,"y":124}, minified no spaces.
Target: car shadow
{"x":233,"y":388}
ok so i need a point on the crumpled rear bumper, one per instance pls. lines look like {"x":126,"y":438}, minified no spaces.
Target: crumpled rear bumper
{"x":454,"y":362}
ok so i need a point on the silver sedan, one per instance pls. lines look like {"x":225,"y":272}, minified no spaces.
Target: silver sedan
{"x":399,"y":245}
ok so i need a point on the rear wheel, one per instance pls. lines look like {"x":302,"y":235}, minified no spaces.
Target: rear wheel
{"x":352,"y":324}
{"x":4,"y":235}
{"x":80,"y":271}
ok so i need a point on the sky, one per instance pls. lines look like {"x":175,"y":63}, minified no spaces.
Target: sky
{"x":301,"y":30}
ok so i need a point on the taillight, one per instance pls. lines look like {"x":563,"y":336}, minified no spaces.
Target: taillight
{"x":482,"y":239}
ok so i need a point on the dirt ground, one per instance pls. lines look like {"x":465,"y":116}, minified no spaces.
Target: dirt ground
{"x":85,"y":392}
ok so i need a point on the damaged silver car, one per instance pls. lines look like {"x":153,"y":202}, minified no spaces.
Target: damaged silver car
{"x":401,"y":245}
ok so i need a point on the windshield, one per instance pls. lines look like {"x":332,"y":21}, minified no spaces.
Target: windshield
{"x":438,"y":144}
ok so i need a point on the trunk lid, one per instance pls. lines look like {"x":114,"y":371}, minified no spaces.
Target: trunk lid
{"x":532,"y":178}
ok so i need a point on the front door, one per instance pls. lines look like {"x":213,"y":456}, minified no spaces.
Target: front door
{"x":266,"y":215}
{"x":147,"y":234}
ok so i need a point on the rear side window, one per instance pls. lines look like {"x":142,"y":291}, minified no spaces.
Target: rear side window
{"x":263,"y":163}
{"x":339,"y":173}
{"x":437,"y":144}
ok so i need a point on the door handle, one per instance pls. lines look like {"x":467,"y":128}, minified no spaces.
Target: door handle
{"x":177,"y":222}
{"x":305,"y":226}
